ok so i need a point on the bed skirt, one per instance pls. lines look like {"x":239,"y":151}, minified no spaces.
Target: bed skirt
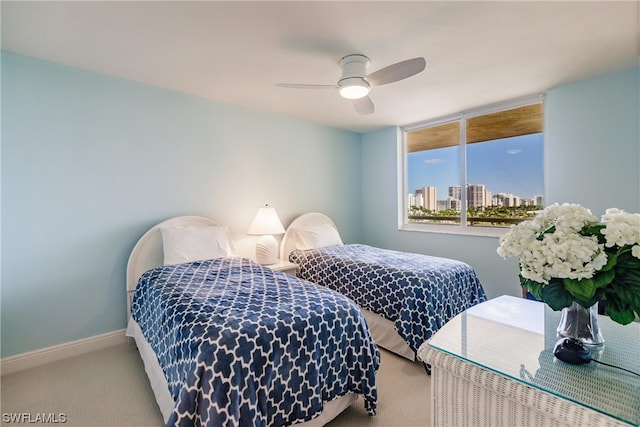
{"x":384,"y":334}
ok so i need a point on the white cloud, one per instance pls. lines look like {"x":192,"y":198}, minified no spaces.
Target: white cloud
{"x":433,"y":161}
{"x":516,"y":151}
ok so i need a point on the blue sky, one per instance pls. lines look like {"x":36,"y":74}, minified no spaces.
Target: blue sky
{"x":511,"y":165}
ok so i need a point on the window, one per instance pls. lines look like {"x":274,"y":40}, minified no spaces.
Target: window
{"x":478,"y":172}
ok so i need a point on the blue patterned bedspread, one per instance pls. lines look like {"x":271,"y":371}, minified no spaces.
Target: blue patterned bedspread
{"x":241,"y":344}
{"x":420,"y":293}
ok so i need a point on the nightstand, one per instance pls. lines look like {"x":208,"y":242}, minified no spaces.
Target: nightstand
{"x":285,"y":266}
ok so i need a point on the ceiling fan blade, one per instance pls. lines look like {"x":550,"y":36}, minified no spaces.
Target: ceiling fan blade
{"x":364,"y":105}
{"x":398,"y":71}
{"x":303,"y":86}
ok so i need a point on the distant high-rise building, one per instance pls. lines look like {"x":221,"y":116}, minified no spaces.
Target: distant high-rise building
{"x":508,"y":200}
{"x":411,"y":200}
{"x":416,"y":199}
{"x":449,"y":203}
{"x":476,"y":196}
{"x":455,"y":192}
{"x":429,"y":199}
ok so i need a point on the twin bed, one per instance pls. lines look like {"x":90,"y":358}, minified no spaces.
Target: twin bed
{"x":227,"y":341}
{"x":405,"y":297}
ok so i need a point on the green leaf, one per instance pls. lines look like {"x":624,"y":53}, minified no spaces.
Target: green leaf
{"x":593,"y":230}
{"x":603,"y":278}
{"x":556,"y":296}
{"x":624,"y":317}
{"x":584,"y":288}
{"x":627,"y":261}
{"x":618,"y":309}
{"x":612,"y":261}
{"x":628,"y":276}
{"x":534,"y":287}
{"x":549,"y":230}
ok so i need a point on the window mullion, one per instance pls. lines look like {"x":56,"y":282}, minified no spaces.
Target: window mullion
{"x":403,"y":187}
{"x":463,"y":172}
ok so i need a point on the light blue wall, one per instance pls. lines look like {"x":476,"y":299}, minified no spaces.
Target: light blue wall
{"x":593,"y":143}
{"x":90,"y":162}
{"x":593,"y":158}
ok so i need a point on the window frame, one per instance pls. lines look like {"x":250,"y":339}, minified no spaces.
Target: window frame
{"x":463,"y":228}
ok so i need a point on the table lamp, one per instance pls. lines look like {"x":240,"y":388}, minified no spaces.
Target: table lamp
{"x":266,"y":224}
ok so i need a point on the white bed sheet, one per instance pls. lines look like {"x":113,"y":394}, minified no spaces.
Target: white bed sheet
{"x":152,"y":368}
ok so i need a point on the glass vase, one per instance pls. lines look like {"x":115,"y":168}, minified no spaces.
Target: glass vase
{"x":581,"y":323}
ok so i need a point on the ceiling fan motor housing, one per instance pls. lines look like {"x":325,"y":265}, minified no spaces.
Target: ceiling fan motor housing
{"x":354,"y":71}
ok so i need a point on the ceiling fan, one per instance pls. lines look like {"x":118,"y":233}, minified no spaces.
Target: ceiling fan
{"x":355,"y":83}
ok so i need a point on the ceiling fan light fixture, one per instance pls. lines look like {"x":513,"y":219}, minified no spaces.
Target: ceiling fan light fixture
{"x":354,"y":88}
{"x":354,"y":83}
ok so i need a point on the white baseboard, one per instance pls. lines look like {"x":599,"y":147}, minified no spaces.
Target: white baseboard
{"x":31,"y":359}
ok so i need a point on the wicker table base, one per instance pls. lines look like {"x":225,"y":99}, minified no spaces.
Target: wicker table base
{"x":464,"y":394}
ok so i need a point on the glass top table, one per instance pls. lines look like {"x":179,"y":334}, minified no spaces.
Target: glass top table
{"x":515,"y":337}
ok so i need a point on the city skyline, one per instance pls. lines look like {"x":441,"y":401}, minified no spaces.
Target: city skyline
{"x":510,"y":165}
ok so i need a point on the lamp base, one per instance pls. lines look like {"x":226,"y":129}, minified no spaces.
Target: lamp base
{"x":267,"y":250}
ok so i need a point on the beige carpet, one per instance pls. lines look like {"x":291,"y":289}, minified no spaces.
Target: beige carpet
{"x":110,"y":388}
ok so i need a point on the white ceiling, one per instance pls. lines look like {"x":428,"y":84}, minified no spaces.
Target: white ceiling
{"x":235,"y":52}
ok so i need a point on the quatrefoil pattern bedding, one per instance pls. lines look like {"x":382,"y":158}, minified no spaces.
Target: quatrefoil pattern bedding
{"x":241,"y":344}
{"x":419,"y":293}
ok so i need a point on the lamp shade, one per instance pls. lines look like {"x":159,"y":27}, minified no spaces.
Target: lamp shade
{"x":266,"y":222}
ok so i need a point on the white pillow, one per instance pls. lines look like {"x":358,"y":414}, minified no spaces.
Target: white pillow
{"x":317,"y":236}
{"x":186,"y":244}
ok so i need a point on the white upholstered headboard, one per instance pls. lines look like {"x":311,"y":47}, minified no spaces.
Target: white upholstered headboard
{"x":148,"y":253}
{"x":290,"y":238}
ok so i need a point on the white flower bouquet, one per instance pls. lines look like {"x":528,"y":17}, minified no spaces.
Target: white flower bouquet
{"x":566,"y":254}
